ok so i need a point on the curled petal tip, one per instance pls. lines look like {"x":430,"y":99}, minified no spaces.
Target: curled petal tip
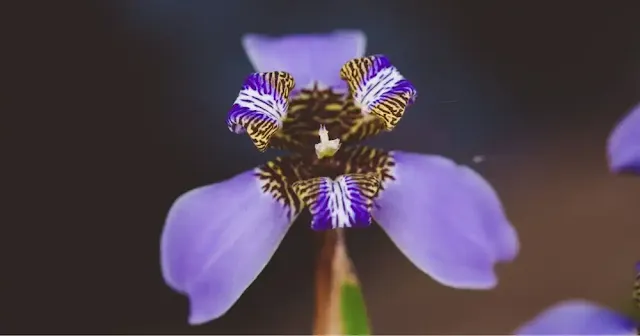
{"x":447,"y":220}
{"x":309,"y":58}
{"x":202,"y":308}
{"x":261,"y":106}
{"x":623,"y":147}
{"x":379,"y":88}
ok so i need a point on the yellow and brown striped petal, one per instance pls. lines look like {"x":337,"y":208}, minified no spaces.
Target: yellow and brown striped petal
{"x":261,"y":106}
{"x":378,"y":88}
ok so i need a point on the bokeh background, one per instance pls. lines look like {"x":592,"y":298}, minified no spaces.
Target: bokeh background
{"x":123,"y":106}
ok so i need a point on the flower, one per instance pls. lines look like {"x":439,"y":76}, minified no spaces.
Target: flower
{"x":623,"y":146}
{"x":580,"y":317}
{"x":444,"y":217}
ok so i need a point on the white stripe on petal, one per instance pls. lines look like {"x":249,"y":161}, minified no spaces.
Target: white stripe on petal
{"x":261,"y":106}
{"x":341,"y":203}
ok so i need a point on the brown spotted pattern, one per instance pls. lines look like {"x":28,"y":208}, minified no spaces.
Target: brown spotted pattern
{"x":313,"y":107}
{"x":278,"y":176}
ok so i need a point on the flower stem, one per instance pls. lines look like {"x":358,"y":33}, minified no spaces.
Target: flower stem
{"x":322,"y":324}
{"x":340,"y":308}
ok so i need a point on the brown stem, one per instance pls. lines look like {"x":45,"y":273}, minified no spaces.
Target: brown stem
{"x":324,"y":281}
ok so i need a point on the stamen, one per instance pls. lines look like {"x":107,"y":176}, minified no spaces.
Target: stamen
{"x":326,"y":147}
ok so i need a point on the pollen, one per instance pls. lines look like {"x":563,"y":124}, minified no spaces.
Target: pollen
{"x":326,"y":147}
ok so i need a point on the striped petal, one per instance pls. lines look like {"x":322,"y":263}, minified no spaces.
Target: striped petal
{"x":261,"y":106}
{"x":446,"y":219}
{"x":218,"y":238}
{"x":578,"y":317}
{"x":378,"y":88}
{"x":340,"y":203}
{"x":624,"y":144}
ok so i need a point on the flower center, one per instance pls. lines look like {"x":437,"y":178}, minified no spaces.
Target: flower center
{"x":326,"y":147}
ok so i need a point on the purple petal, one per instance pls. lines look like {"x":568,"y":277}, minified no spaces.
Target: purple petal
{"x":624,"y":144}
{"x":379,"y":88}
{"x":340,"y":203}
{"x":261,"y":106}
{"x":446,"y":219}
{"x":309,"y":58}
{"x":578,"y":317}
{"x":216,"y":241}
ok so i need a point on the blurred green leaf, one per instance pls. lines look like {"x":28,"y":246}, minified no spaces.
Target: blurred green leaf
{"x":353,"y":310}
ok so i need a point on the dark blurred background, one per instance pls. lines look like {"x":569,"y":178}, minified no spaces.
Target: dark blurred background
{"x":121,"y":108}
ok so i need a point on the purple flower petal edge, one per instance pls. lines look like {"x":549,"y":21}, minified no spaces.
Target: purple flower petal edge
{"x":216,"y":241}
{"x":578,"y":317}
{"x":623,"y":147}
{"x":446,"y":219}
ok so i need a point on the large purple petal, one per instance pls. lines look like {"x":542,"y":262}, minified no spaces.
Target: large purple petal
{"x":216,"y":241}
{"x":578,"y":317}
{"x":309,"y":58}
{"x":624,"y":144}
{"x":446,"y":219}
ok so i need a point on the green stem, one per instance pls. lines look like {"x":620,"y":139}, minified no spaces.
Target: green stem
{"x":340,"y":307}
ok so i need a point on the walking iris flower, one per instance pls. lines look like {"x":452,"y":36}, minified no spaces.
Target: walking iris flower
{"x":444,"y":217}
{"x":624,"y":144}
{"x":580,"y":317}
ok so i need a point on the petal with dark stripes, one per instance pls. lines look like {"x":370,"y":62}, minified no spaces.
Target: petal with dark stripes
{"x":261,"y":106}
{"x":313,"y":107}
{"x":339,"y":203}
{"x":378,"y":88}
